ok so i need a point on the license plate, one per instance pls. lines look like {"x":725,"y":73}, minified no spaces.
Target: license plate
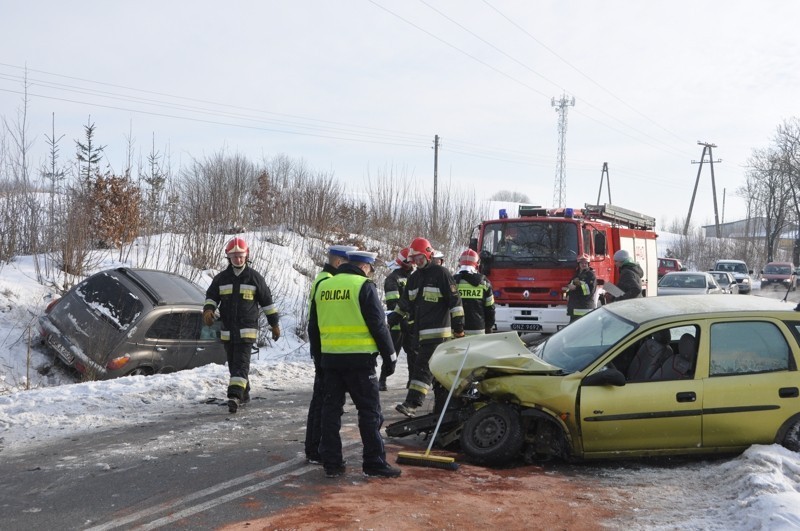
{"x":65,"y":355}
{"x":526,"y":326}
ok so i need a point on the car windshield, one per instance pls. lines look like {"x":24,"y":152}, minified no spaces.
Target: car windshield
{"x":733,"y":268}
{"x":772,"y":269}
{"x":575,"y":347}
{"x":682,"y":281}
{"x":531,"y":241}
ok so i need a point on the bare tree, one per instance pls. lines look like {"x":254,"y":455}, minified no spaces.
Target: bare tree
{"x":771,"y":184}
{"x":510,"y":195}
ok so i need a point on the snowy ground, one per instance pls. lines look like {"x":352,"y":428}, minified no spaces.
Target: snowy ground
{"x":758,"y":490}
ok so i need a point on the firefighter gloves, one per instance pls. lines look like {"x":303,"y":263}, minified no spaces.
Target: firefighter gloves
{"x":389,"y":365}
{"x":276,"y":332}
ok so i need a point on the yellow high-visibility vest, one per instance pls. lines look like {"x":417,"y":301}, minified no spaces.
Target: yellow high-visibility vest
{"x":342,"y":328}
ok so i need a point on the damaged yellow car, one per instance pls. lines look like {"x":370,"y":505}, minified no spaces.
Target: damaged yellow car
{"x":642,"y":377}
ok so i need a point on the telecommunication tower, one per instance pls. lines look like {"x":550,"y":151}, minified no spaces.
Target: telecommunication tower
{"x":560,"y":188}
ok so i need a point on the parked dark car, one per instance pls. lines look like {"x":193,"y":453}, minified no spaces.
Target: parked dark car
{"x":126,"y":321}
{"x":665,"y":265}
{"x":726,"y":281}
{"x":778,"y":274}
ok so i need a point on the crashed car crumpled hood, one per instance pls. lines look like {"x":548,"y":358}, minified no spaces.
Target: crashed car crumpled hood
{"x":503,"y":352}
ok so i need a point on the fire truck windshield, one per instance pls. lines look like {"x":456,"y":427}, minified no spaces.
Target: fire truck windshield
{"x":523,"y":241}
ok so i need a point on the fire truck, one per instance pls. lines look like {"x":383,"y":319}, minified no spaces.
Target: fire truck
{"x":530,"y":259}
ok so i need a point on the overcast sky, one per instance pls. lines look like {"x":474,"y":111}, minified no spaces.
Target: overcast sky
{"x":360,"y":87}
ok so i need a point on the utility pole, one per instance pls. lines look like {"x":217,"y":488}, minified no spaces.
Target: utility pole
{"x":706,"y":148}
{"x":604,"y":172}
{"x":560,"y":188}
{"x":435,"y":183}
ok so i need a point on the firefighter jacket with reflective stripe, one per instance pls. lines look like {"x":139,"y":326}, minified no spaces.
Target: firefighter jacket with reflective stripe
{"x":240,"y":299}
{"x":478,"y":301}
{"x":432,"y":303}
{"x":581,"y":296}
{"x":347,"y":324}
{"x":393,"y":287}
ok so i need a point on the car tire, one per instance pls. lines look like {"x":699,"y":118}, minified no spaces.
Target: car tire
{"x":492,"y":435}
{"x":140,"y":371}
{"x":791,"y":440}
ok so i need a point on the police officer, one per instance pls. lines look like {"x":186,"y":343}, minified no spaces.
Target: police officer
{"x":347,"y":325}
{"x":433,"y":304}
{"x":476,"y":293}
{"x":580,"y":291}
{"x":337,"y":255}
{"x":393,"y":287}
{"x":240,"y":294}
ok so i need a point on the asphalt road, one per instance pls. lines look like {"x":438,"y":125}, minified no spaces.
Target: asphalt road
{"x":198,"y":469}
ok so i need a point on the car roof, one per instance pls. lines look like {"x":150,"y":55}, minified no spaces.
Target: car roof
{"x":650,"y":308}
{"x":685,"y":273}
{"x":730,"y":261}
{"x":164,"y":287}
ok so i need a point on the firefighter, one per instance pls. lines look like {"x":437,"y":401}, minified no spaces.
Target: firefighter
{"x":393,"y":287}
{"x":240,"y":294}
{"x":432,"y":303}
{"x":580,"y":291}
{"x":630,"y":276}
{"x":347,"y":325}
{"x":476,"y":295}
{"x":337,"y":255}
{"x":438,"y":257}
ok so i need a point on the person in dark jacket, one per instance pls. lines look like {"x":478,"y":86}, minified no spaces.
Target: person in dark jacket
{"x":630,"y":276}
{"x":476,"y":293}
{"x":240,"y":294}
{"x":347,"y":325}
{"x":432,"y":303}
{"x":393,"y":287}
{"x":580,"y":291}
{"x":337,"y":255}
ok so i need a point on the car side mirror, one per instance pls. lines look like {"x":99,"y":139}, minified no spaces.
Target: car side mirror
{"x":608,"y":376}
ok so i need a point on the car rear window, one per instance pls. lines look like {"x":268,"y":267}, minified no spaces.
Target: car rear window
{"x":107,"y":297}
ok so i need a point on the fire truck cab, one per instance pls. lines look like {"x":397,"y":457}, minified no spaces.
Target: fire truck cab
{"x":531,"y":259}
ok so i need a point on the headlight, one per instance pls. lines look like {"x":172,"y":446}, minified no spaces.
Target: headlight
{"x":745,"y":281}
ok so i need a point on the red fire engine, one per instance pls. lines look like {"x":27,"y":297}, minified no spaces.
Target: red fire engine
{"x":530,"y":259}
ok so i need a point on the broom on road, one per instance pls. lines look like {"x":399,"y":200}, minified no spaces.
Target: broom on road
{"x":426,"y":459}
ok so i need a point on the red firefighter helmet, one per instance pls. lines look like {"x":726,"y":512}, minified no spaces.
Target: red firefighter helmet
{"x":420,"y":246}
{"x":402,"y":259}
{"x":237,"y":245}
{"x":469,"y":258}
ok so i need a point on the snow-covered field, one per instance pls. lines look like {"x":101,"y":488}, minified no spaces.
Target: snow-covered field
{"x":758,"y":490}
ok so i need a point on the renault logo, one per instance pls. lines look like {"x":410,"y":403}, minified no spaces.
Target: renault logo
{"x":526,"y":294}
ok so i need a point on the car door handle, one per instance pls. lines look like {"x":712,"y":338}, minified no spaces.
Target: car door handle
{"x":788,"y":392}
{"x":161,"y":349}
{"x":687,"y":396}
{"x":198,"y":349}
